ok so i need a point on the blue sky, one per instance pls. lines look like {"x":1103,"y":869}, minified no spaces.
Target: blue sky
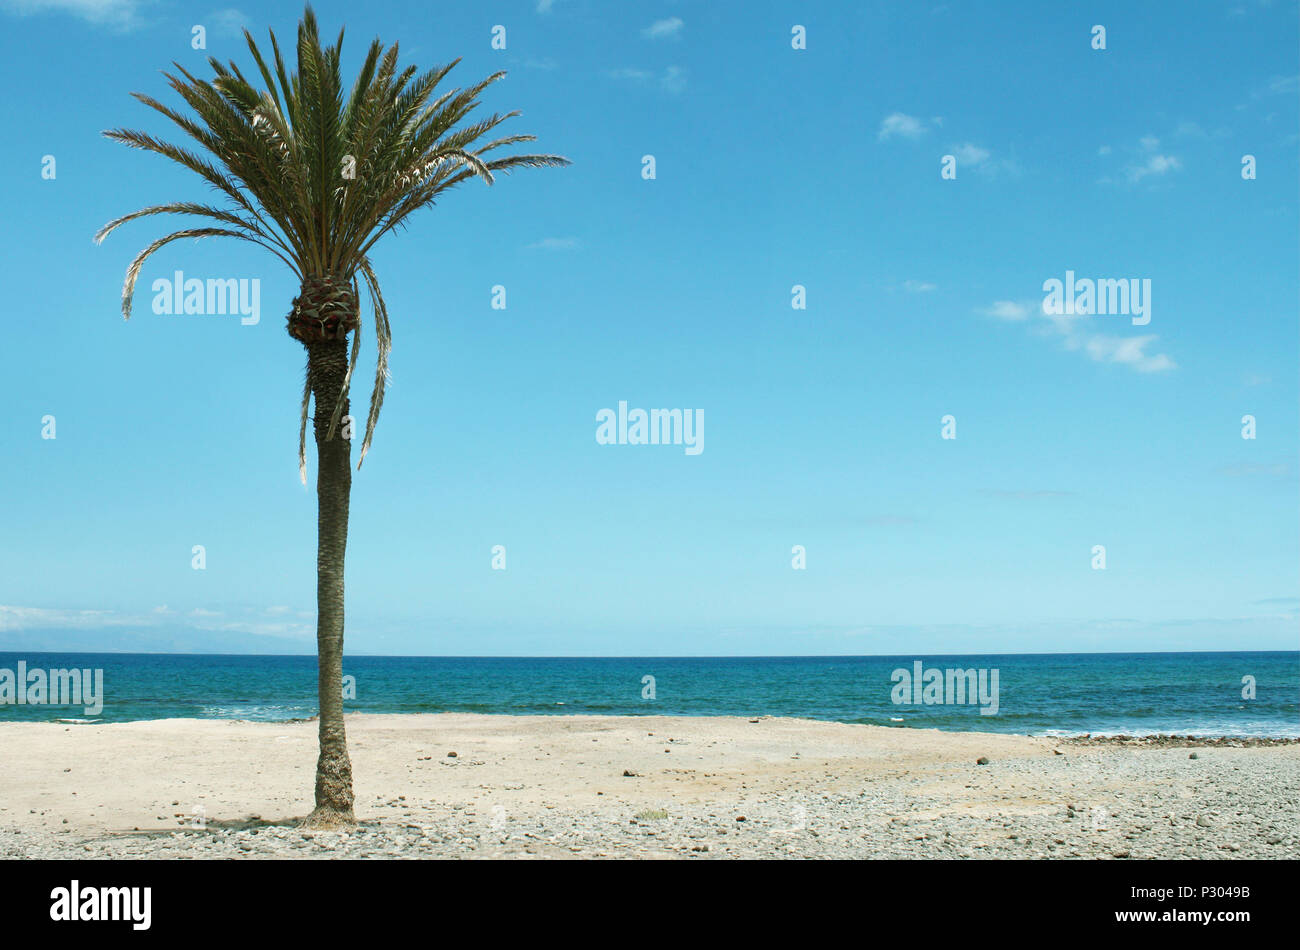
{"x":775,"y":167}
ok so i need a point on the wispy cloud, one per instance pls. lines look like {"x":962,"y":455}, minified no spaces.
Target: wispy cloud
{"x":982,"y":160}
{"x":1147,"y":158}
{"x":1280,"y":86}
{"x":554,"y":244}
{"x":901,"y":125}
{"x":1154,"y":165}
{"x":270,"y":622}
{"x":1126,"y":350}
{"x":971,"y":155}
{"x":118,"y":14}
{"x":25,"y":618}
{"x":1075,"y":331}
{"x":227,"y":22}
{"x":1263,"y":632}
{"x":1006,"y":310}
{"x":1076,"y":334}
{"x":662,"y":29}
{"x":671,"y":80}
{"x":639,"y":75}
{"x":918,"y":286}
{"x":1249,"y":469}
{"x":1249,"y":6}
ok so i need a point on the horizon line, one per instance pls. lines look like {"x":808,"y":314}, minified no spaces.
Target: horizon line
{"x":682,"y":656}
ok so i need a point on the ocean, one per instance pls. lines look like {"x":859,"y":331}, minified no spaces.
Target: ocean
{"x":1204,"y":694}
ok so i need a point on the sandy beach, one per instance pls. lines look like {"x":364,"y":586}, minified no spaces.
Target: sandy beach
{"x":459,"y":785}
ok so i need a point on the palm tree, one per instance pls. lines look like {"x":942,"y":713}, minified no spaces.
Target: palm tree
{"x":317,"y":178}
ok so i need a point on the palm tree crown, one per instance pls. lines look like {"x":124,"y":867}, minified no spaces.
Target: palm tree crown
{"x":317,"y":179}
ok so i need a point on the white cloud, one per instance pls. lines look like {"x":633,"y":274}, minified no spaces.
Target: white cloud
{"x":120,"y":14}
{"x":1148,"y":161}
{"x":1155,"y":165}
{"x":1283,"y":85}
{"x":982,"y":160}
{"x":969,"y":154}
{"x":26,"y":618}
{"x":1126,"y":350}
{"x":917,"y":286}
{"x":1256,"y":468}
{"x":661,"y":29}
{"x":228,"y":22}
{"x":1075,"y":330}
{"x":1007,"y":310}
{"x":544,"y":6}
{"x":1076,"y":334}
{"x":14,"y":618}
{"x":673,"y":78}
{"x":899,"y":124}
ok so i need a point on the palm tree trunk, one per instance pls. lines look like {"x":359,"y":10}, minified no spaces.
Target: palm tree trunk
{"x":327,"y":366}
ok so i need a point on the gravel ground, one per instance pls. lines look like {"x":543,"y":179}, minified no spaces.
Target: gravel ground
{"x":1083,"y":798}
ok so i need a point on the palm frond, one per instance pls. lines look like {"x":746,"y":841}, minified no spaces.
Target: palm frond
{"x":254,"y":232}
{"x":133,"y":271}
{"x":347,"y":378}
{"x":383,"y":344}
{"x":302,"y":429}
